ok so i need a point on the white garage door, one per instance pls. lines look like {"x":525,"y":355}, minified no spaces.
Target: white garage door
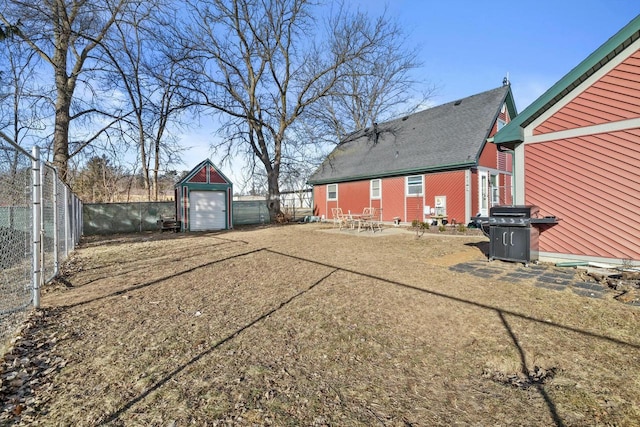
{"x":207,"y":210}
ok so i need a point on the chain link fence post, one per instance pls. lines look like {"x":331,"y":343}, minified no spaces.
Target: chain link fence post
{"x":37,"y":212}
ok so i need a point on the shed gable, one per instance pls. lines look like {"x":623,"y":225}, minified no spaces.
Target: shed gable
{"x":613,"y":97}
{"x":215,"y":177}
{"x":200,"y":175}
{"x":205,"y":173}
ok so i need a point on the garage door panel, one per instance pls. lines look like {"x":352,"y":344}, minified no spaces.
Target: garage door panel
{"x":207,"y":210}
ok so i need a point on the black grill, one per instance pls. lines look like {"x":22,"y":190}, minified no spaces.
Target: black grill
{"x":512,"y":236}
{"x":515,"y":216}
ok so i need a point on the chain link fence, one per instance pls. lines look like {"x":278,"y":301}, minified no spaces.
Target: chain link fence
{"x":40,"y":224}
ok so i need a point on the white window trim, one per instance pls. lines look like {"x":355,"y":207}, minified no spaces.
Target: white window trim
{"x":329,"y":192}
{"x":371,"y":195}
{"x":406,"y":186}
{"x":500,"y":124}
{"x":482,"y":196}
{"x":494,"y":189}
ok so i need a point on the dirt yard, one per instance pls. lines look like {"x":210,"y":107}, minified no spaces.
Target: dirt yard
{"x":306,"y":325}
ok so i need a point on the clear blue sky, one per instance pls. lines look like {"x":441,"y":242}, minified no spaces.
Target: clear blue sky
{"x":469,"y":46}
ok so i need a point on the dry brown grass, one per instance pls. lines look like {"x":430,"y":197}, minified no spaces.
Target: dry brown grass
{"x":303,"y":325}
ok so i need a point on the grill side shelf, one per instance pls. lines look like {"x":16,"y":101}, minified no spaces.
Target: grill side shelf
{"x":544,"y":220}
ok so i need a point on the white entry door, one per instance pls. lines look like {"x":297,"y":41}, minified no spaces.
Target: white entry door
{"x":207,"y":210}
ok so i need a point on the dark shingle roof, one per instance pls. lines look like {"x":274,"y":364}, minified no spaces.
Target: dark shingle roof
{"x":445,"y":137}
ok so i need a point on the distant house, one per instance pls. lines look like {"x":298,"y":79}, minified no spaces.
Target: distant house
{"x":204,"y":199}
{"x":436,"y":161}
{"x":577,"y":155}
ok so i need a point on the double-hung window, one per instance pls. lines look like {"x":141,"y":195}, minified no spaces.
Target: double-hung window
{"x":375,"y":188}
{"x":332,"y":192}
{"x":414,"y":185}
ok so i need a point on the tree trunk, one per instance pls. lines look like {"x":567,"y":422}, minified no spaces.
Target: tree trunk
{"x":64,"y":91}
{"x":144,"y":161}
{"x":61,"y":134}
{"x":156,"y":166}
{"x":273,"y":196}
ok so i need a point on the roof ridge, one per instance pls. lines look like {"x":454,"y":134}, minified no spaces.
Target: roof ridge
{"x":429,"y":109}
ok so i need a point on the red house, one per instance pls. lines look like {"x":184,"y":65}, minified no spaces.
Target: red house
{"x":577,"y":155}
{"x":436,"y":161}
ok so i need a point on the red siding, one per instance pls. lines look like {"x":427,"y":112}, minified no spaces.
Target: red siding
{"x":330,"y":204}
{"x":229,"y":210}
{"x":215,"y":177}
{"x":592,"y":183}
{"x":614,"y":97}
{"x":200,"y":176}
{"x":320,"y":201}
{"x":185,"y":208}
{"x":393,"y":199}
{"x":475,"y":199}
{"x":415,"y":208}
{"x":506,"y":183}
{"x":450,"y":184}
{"x":489,"y":156}
{"x":353,"y":196}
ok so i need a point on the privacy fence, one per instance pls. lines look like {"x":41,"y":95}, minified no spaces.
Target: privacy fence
{"x":40,"y":224}
{"x":111,"y":218}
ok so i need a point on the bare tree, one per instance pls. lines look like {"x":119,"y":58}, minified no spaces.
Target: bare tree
{"x":21,"y":102}
{"x":377,"y":87}
{"x":148,"y":81}
{"x":8,"y":30}
{"x":65,"y":33}
{"x":264,"y":63}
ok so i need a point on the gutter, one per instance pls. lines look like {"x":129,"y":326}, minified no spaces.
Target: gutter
{"x":404,"y":172}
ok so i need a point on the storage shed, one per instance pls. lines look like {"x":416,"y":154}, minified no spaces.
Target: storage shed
{"x":203,"y":199}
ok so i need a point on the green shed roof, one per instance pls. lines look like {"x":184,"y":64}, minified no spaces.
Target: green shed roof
{"x":513,"y":132}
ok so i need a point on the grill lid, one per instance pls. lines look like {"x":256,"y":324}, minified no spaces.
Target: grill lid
{"x":509,"y":220}
{"x":517,"y":211}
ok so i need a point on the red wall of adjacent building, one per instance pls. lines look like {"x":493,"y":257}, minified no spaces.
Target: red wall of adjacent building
{"x":599,"y":207}
{"x":591,"y":181}
{"x":614,"y":97}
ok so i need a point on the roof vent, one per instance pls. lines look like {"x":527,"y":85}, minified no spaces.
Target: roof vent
{"x":457,"y":102}
{"x":405,"y":118}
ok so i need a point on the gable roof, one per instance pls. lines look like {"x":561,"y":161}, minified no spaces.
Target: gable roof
{"x":513,"y":132}
{"x":449,"y":136}
{"x":204,"y":173}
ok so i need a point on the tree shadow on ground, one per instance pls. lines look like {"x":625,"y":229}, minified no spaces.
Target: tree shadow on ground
{"x":530,"y":377}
